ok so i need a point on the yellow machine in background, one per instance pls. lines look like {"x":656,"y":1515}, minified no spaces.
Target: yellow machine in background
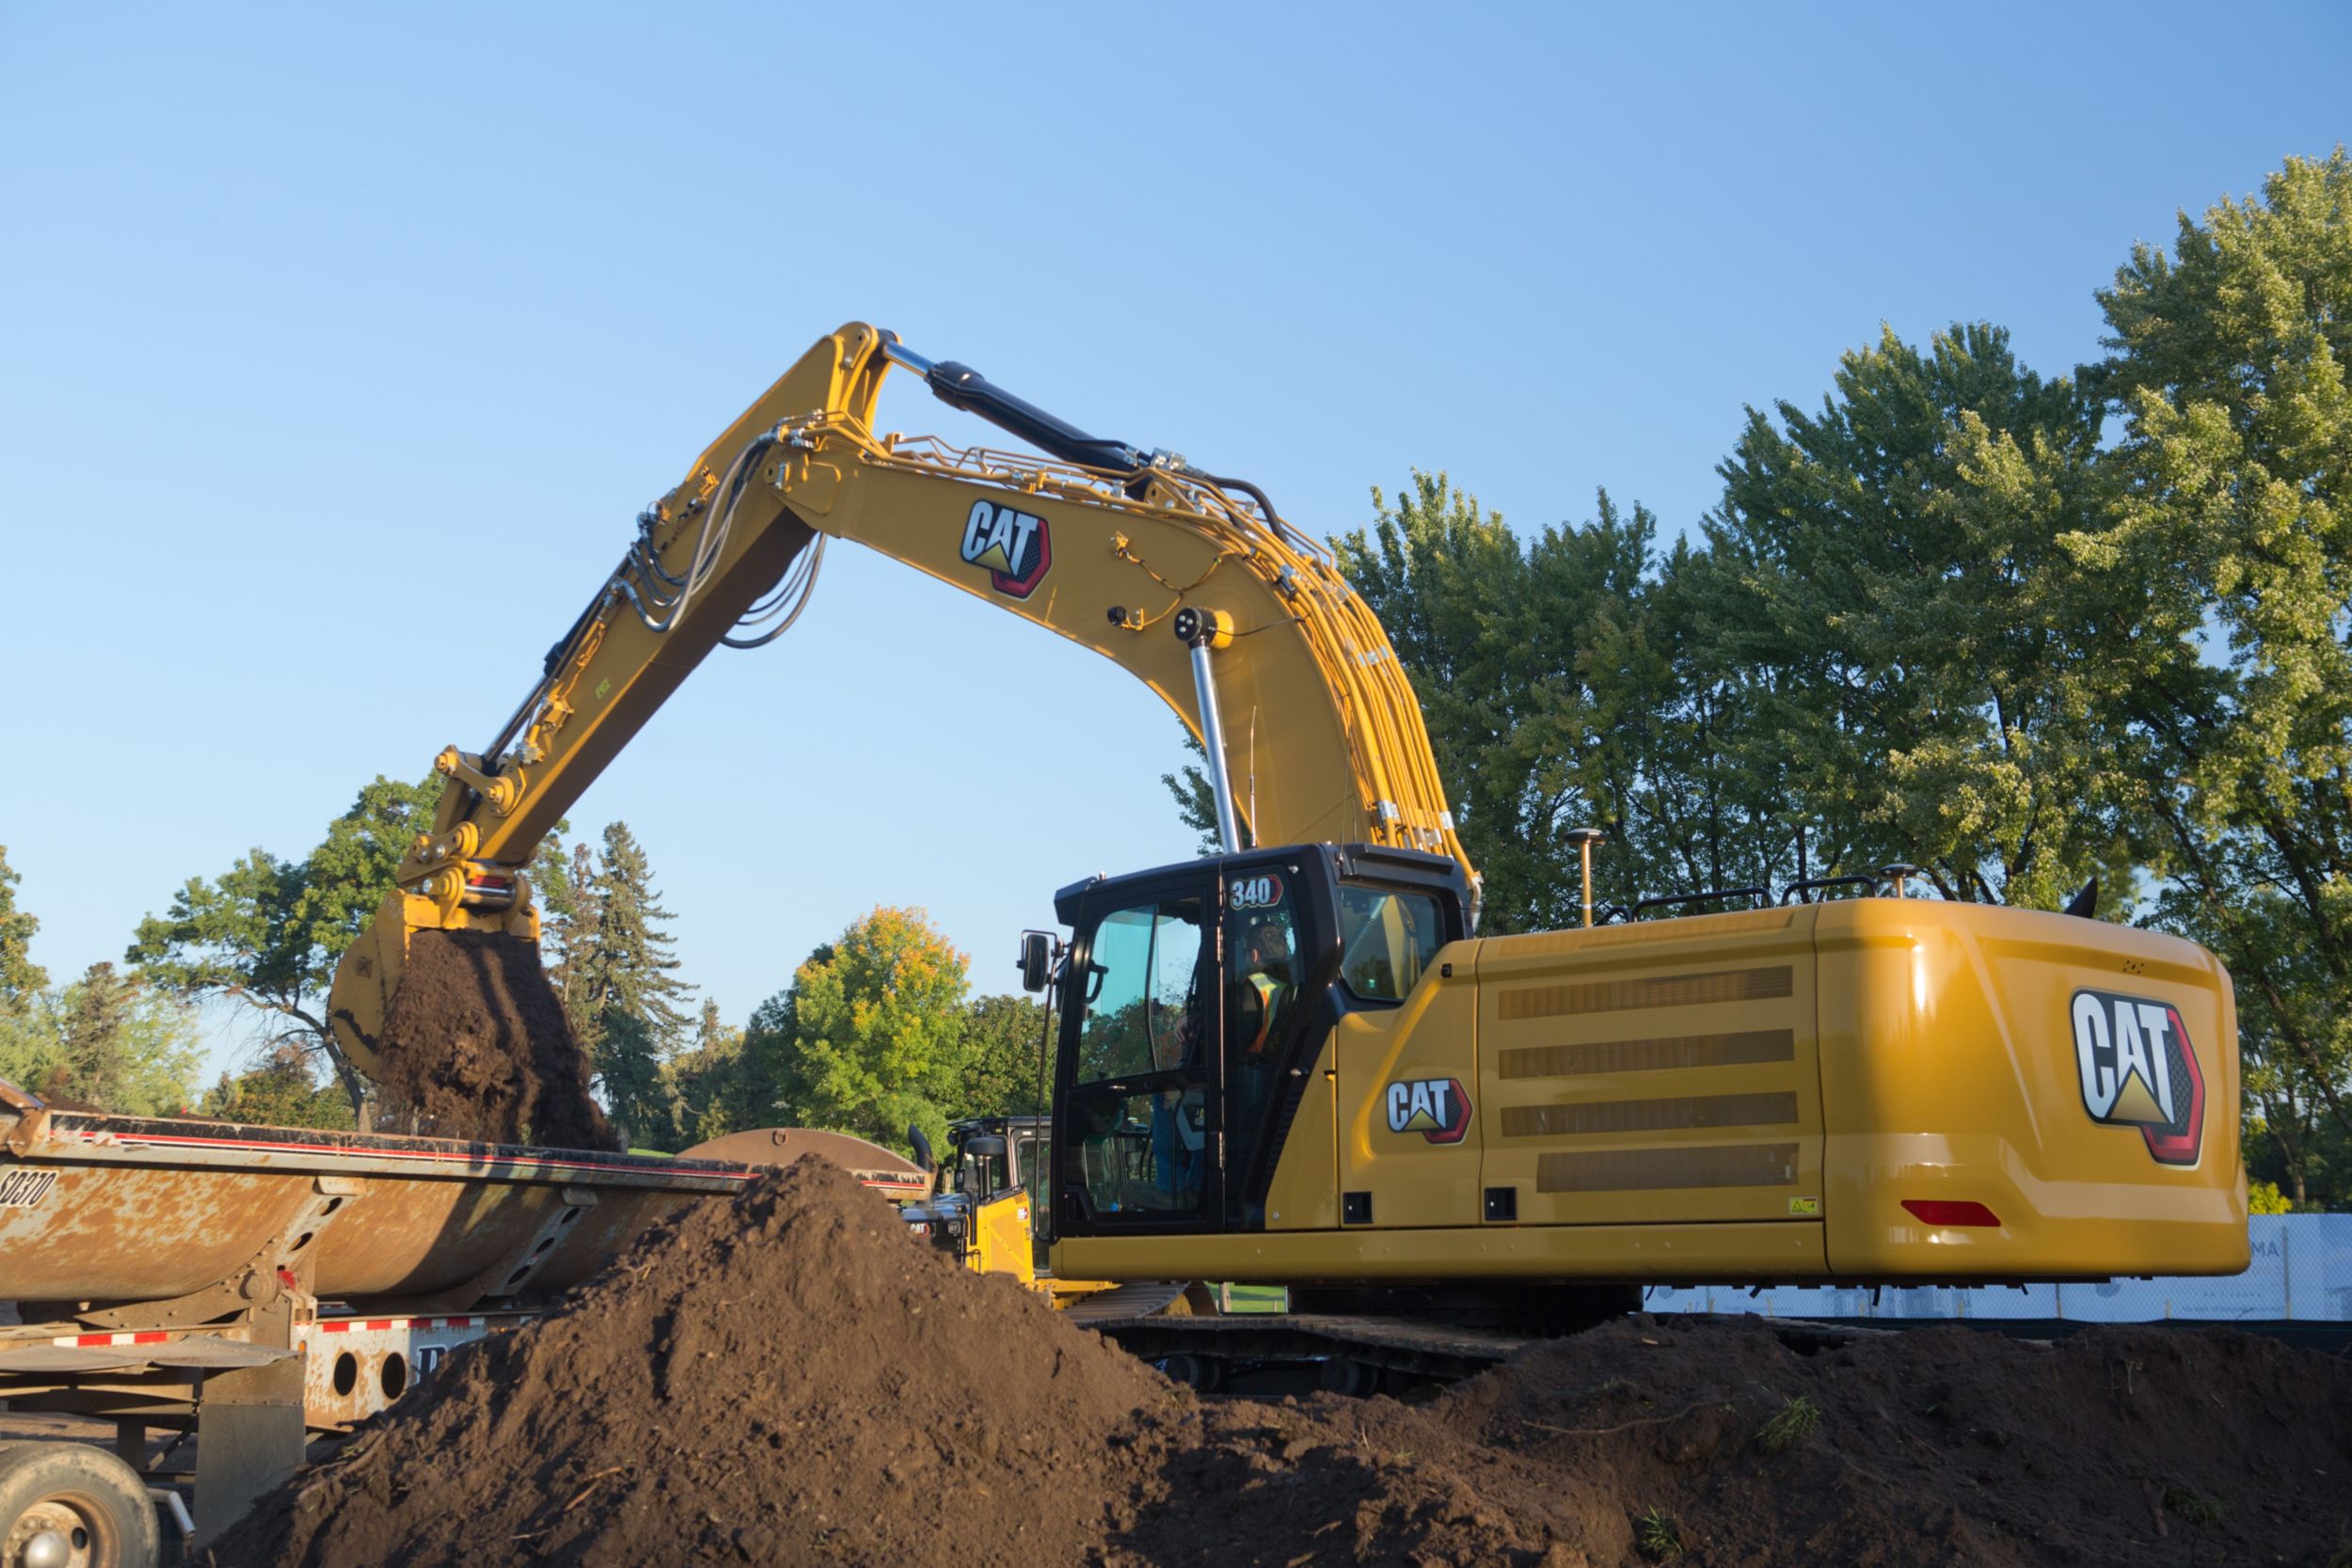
{"x":980,"y":1208}
{"x":1297,"y":1061}
{"x":977,"y":1206}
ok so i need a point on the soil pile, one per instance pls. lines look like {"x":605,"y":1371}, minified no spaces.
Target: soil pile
{"x":792,"y":1378}
{"x":789,"y":1377}
{"x":476,"y":1046}
{"x":1714,"y":1442}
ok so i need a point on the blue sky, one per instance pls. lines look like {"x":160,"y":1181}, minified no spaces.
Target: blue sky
{"x":339,"y":350}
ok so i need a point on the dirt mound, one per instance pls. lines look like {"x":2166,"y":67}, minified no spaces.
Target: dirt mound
{"x":1646,"y":1441}
{"x":792,"y":1378}
{"x":788,"y":1378}
{"x":476,"y":1046}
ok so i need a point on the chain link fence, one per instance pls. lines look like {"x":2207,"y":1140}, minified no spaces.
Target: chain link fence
{"x":2301,"y":1272}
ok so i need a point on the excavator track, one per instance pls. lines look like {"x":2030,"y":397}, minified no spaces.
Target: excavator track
{"x":1359,"y":1354}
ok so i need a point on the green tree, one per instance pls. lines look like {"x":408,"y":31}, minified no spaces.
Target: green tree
{"x":716,"y":1082}
{"x":868,"y":1038}
{"x":1000,"y":1058}
{"x":278,"y":1091}
{"x":1877,"y":599}
{"x":123,"y":1045}
{"x":2220,"y":570}
{"x":28,"y":1036}
{"x":265,"y":935}
{"x":108,"y":1041}
{"x":1547,"y":694}
{"x":32,"y":1047}
{"x":562,"y":880}
{"x":1196,"y":802}
{"x":623,"y":973}
{"x":21,"y":978}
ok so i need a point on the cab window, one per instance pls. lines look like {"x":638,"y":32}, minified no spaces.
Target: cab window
{"x":1138,"y":1113}
{"x":983,"y":1176}
{"x":1386,"y":940}
{"x":1137,"y":987}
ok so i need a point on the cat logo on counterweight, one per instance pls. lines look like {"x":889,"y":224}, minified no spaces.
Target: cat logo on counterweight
{"x":1433,"y":1107}
{"x":1014,"y":546}
{"x":2138,"y":1070}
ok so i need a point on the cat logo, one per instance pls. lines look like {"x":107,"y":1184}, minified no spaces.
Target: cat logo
{"x":1015,"y":547}
{"x":1433,"y":1107}
{"x":2139,"y":1071}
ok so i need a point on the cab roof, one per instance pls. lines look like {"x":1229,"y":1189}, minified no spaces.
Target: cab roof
{"x":1439,"y":874}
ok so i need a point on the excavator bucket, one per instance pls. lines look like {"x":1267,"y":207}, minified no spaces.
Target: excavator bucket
{"x":369,"y":976}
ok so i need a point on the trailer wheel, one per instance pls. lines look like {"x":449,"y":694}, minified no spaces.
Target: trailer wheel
{"x":69,"y":1505}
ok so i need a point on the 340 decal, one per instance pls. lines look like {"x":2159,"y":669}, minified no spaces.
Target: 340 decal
{"x":1261,"y":891}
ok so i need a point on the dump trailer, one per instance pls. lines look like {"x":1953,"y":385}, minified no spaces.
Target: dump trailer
{"x":252,"y":1287}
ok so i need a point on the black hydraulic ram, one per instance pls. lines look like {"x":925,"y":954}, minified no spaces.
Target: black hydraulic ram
{"x":962,"y":387}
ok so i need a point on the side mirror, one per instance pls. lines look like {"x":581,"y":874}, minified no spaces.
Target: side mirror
{"x":1037,"y":961}
{"x":987,"y":1146}
{"x":922,"y":1147}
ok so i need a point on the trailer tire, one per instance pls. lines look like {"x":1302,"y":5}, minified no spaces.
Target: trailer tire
{"x":78,"y":1496}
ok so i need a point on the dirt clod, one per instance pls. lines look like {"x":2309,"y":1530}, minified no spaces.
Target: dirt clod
{"x":476,"y":1046}
{"x":751,"y":1382}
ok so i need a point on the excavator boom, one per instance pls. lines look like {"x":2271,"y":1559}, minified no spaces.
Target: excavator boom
{"x":1191,"y":582}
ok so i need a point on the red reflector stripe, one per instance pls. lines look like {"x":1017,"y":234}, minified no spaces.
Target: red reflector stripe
{"x":1953,"y":1211}
{"x":94,"y":1341}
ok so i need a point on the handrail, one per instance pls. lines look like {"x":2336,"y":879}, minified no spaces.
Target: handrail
{"x":1667,"y":900}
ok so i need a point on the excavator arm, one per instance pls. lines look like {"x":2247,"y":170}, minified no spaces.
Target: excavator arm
{"x":1191,"y":582}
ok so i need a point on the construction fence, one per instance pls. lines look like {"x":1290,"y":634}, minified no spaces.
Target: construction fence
{"x":2301,"y":1272}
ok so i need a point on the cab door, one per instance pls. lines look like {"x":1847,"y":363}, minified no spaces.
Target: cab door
{"x":1135,"y":1140}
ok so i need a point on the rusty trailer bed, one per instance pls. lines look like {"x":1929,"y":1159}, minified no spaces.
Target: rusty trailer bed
{"x":255,"y":1284}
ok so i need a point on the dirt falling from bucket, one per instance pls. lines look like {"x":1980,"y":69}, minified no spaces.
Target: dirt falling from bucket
{"x":476,"y":1046}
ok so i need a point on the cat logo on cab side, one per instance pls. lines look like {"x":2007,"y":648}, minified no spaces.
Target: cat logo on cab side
{"x":1433,"y":1107}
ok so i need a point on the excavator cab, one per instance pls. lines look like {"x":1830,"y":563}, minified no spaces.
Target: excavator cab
{"x":1196,"y":998}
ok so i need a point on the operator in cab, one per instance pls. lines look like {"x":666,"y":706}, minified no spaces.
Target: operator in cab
{"x":1260,"y":1001}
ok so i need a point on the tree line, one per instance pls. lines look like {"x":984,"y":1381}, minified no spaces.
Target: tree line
{"x":2021,"y":629}
{"x":874,"y":1033}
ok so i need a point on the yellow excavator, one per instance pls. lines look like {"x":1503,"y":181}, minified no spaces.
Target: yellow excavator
{"x":1296,"y":1061}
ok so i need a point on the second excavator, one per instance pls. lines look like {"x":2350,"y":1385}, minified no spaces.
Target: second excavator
{"x":1297,"y":1061}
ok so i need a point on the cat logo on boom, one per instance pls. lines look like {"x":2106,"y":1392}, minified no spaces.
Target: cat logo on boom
{"x":2138,"y":1070}
{"x":1014,"y":546}
{"x":1433,"y":1107}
